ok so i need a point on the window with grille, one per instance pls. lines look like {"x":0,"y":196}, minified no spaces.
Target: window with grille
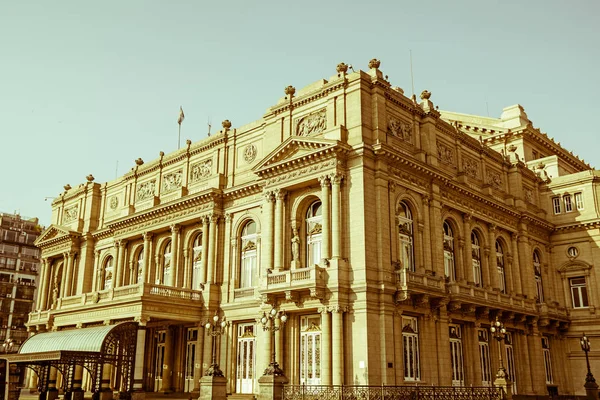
{"x":248,"y":255}
{"x":579,"y":292}
{"x":547,"y":360}
{"x":476,"y":259}
{"x":579,"y":201}
{"x":556,"y":205}
{"x":410,"y":346}
{"x":568,"y":202}
{"x":449,"y":267}
{"x":108,"y":273}
{"x":537,"y":268}
{"x":484,"y":357}
{"x":405,"y":236}
{"x":500,"y":266}
{"x":456,"y":355}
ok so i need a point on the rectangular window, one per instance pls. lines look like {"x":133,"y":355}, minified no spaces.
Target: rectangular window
{"x":510,"y":361}
{"x":456,"y":356}
{"x":484,"y":357}
{"x":579,"y":201}
{"x":556,"y":204}
{"x":579,"y":292}
{"x":410,"y":344}
{"x":568,"y":203}
{"x":547,"y":360}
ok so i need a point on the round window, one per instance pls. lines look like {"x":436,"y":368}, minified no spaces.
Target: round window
{"x":572,"y":252}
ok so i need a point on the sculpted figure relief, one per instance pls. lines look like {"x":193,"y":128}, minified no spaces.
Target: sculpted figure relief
{"x":400,"y":129}
{"x":295,"y":245}
{"x":200,"y":170}
{"x":145,"y":190}
{"x":312,"y":123}
{"x":172,"y":181}
{"x":71,"y":213}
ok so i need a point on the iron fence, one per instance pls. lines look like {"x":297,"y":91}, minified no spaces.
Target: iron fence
{"x":320,"y":392}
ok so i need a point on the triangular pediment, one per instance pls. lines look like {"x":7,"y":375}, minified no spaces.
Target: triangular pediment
{"x":53,"y":232}
{"x":297,"y":149}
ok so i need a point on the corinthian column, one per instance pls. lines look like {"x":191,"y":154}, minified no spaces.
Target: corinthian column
{"x":336,"y":216}
{"x":120,"y":264}
{"x":278,"y":253}
{"x":468,"y":256}
{"x":516,"y":270}
{"x":267,"y":236}
{"x":494,"y":277}
{"x":69,"y":274}
{"x":41,"y":296}
{"x":147,"y":256}
{"x":175,"y":229}
{"x":205,"y":221}
{"x":212,"y":247}
{"x":337,"y":345}
{"x":326,"y":347}
{"x":326,"y":227}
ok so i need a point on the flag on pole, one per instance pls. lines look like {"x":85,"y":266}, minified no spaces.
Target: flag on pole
{"x":181,"y":116}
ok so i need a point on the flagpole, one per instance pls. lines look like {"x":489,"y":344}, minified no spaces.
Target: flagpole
{"x":179,"y":138}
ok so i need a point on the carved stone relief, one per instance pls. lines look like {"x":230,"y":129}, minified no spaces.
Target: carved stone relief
{"x":445,"y":154}
{"x":145,"y":190}
{"x":172,"y":181}
{"x":250,"y":153}
{"x":313,"y":123}
{"x":114,"y":202}
{"x":529,"y":196}
{"x":71,"y":213}
{"x":494,"y":179}
{"x":471,"y":167}
{"x":400,"y":129}
{"x":200,"y":170}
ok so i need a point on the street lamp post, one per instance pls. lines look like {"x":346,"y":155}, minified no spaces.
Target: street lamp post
{"x":502,"y":379}
{"x":591,"y":387}
{"x":214,"y":328}
{"x":268,"y":323}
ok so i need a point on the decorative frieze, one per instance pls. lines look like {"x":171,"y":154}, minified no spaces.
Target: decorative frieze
{"x":200,"y":170}
{"x":494,"y":179}
{"x":145,"y":190}
{"x":71,"y":213}
{"x":311,"y":124}
{"x":400,"y":129}
{"x":445,"y":154}
{"x":471,"y":167}
{"x":172,"y":181}
{"x":303,"y":171}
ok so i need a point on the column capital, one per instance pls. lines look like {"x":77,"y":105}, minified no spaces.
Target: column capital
{"x":323,"y":310}
{"x":338,"y":309}
{"x":492,"y":227}
{"x":175,"y":228}
{"x":97,"y":252}
{"x":426,"y":200}
{"x":214,"y":218}
{"x":514,"y":236}
{"x":336,"y":178}
{"x":269,"y":196}
{"x":324,"y":180}
{"x":392,"y":186}
{"x":120,"y":243}
{"x":467,"y":218}
{"x":228,"y":217}
{"x":280,"y":194}
{"x":147,"y":236}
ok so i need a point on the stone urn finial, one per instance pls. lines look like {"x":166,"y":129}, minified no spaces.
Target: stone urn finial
{"x":67,"y":187}
{"x":374,"y":63}
{"x":342,"y":68}
{"x":290,"y":91}
{"x":226,"y":124}
{"x":90,"y":178}
{"x":139,"y":161}
{"x":425,"y":95}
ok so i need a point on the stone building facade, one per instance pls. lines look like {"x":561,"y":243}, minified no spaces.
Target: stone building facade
{"x":389,"y":232}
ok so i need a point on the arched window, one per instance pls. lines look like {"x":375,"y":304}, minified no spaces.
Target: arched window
{"x":476,"y":259}
{"x":314,"y":236}
{"x":248,"y":255}
{"x":166,"y":267}
{"x":405,"y":237}
{"x":197,"y":262}
{"x":537,"y":269}
{"x":107,"y":273}
{"x":449,"y":267}
{"x":140,"y":266}
{"x":500,"y":266}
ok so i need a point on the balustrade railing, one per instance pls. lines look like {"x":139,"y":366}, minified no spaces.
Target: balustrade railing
{"x":313,"y":392}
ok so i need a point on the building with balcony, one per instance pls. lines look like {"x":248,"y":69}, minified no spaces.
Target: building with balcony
{"x":19,"y":264}
{"x":389,"y":232}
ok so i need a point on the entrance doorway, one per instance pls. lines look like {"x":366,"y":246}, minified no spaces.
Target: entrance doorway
{"x":246,"y":358}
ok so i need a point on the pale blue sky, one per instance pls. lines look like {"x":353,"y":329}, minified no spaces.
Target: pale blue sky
{"x":84,"y":85}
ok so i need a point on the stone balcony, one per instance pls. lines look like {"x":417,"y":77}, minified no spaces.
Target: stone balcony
{"x":292,"y":282}
{"x":147,"y":299}
{"x":411,"y":283}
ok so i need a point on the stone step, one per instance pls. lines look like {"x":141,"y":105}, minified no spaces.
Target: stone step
{"x":241,"y":396}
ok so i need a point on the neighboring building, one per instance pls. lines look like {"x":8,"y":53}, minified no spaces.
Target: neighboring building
{"x":389,"y":232}
{"x":19,"y":264}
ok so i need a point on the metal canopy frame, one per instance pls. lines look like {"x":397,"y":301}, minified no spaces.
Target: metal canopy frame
{"x":117,"y":348}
